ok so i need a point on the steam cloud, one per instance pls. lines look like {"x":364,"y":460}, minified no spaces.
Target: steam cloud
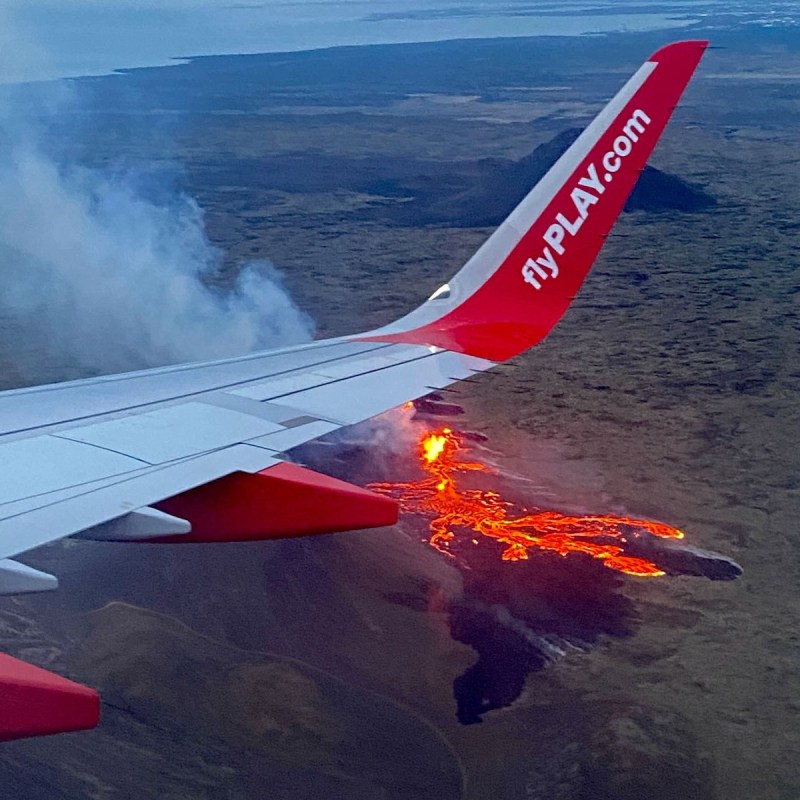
{"x":95,"y":277}
{"x":395,"y":432}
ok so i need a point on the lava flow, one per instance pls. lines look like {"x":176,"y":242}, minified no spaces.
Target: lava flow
{"x":451,"y":508}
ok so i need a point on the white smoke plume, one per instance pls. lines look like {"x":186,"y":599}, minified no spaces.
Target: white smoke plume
{"x":95,"y":277}
{"x":110,"y":281}
{"x":381,"y":441}
{"x":396,"y":432}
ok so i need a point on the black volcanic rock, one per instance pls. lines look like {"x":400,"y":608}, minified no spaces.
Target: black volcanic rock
{"x":659,"y":191}
{"x":502,"y":186}
{"x":676,"y":557}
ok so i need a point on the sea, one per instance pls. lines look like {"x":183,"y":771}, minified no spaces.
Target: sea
{"x":40,"y":40}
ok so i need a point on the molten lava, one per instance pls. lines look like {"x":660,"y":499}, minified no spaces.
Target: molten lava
{"x":451,"y":508}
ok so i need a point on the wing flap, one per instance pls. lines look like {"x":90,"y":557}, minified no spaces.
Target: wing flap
{"x":172,"y":433}
{"x":33,"y":409}
{"x":362,"y":396}
{"x":293,"y":437}
{"x":45,"y":464}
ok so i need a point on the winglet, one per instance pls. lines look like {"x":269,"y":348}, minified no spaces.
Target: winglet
{"x":515,"y":289}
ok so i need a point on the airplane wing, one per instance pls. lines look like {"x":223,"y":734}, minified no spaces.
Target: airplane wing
{"x":193,"y":453}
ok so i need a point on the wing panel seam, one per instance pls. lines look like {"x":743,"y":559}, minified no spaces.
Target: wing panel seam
{"x":220,"y":388}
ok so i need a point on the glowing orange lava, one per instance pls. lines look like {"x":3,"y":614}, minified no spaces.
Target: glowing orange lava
{"x":450,"y":508}
{"x":433,"y":446}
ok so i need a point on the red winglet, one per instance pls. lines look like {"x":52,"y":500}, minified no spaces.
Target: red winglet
{"x":515,"y":289}
{"x":35,"y":702}
{"x":282,"y":501}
